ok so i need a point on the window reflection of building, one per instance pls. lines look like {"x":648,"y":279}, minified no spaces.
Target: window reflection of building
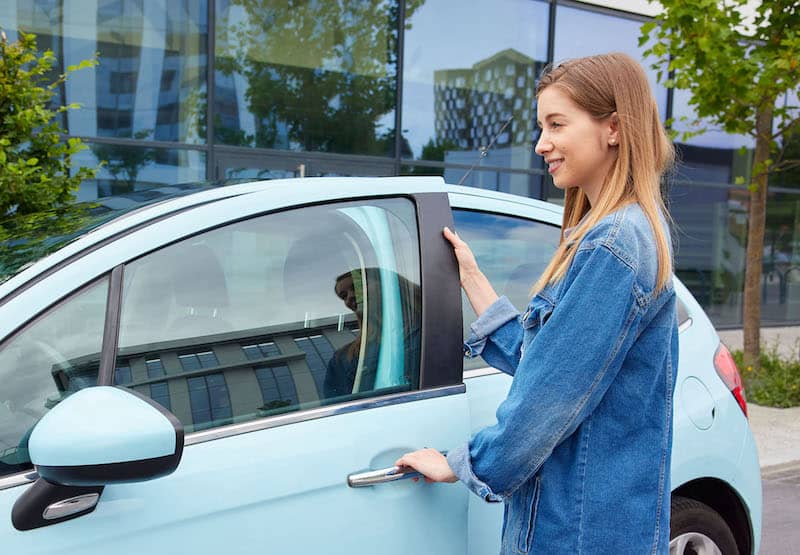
{"x":489,"y":108}
{"x":213,"y":380}
{"x":472,"y":105}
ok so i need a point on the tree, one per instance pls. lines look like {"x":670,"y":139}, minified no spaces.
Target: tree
{"x":736,"y":72}
{"x":34,"y":160}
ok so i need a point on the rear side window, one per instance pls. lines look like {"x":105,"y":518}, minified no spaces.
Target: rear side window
{"x":280,"y":313}
{"x":54,"y":356}
{"x":512,"y":252}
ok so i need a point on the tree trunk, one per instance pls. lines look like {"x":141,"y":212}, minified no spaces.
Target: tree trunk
{"x":755,"y":239}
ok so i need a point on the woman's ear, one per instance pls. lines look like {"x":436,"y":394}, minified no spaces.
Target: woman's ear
{"x":613,"y":129}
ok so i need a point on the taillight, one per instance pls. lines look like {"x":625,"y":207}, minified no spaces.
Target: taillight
{"x":729,"y":373}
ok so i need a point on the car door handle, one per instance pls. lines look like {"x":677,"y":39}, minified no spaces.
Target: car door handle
{"x":382,"y":476}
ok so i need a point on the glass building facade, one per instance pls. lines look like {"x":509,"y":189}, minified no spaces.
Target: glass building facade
{"x":189,"y":90}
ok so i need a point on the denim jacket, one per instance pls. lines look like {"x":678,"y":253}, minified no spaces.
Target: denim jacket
{"x":580,"y":453}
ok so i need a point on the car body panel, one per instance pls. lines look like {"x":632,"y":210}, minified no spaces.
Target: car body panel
{"x":280,"y":490}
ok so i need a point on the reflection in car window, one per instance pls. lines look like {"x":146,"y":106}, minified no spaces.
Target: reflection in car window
{"x":58,"y":354}
{"x":512,"y":252}
{"x":279,"y":313}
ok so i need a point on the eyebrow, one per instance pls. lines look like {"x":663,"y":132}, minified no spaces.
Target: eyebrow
{"x":553,"y":115}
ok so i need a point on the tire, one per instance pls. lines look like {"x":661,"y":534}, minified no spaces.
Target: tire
{"x":697,"y":529}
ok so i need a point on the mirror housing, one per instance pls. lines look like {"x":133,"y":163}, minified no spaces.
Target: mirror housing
{"x":106,"y":435}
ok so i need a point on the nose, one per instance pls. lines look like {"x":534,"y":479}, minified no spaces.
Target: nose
{"x":543,"y":145}
{"x":350,"y":301}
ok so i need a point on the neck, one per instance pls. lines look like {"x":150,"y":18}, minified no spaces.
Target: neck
{"x":592,"y":192}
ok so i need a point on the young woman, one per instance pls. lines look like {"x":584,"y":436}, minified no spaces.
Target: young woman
{"x":580,"y":454}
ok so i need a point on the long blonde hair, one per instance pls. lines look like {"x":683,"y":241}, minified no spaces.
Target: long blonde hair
{"x":603,"y":85}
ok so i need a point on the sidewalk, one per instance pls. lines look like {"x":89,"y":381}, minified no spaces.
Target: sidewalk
{"x":777,"y":434}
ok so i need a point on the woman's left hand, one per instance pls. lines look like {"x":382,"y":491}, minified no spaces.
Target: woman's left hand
{"x":430,"y":463}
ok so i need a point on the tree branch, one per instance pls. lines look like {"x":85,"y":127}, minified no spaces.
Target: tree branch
{"x":786,"y":128}
{"x":786,"y":165}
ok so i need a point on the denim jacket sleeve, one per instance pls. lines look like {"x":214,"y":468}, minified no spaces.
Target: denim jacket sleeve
{"x":562,"y":377}
{"x":496,"y":336}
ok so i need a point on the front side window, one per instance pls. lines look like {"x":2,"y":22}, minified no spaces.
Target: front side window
{"x":512,"y":252}
{"x":57,"y":354}
{"x":280,"y":313}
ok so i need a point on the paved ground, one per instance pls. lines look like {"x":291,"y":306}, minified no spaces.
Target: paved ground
{"x":781,"y":515}
{"x":787,"y":340}
{"x":777,"y":434}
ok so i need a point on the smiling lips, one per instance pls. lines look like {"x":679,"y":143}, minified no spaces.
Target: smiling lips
{"x":553,"y":165}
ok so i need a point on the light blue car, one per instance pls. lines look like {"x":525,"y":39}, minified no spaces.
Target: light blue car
{"x":235,"y":369}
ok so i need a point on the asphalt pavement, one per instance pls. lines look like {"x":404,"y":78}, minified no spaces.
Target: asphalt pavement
{"x":780,"y":532}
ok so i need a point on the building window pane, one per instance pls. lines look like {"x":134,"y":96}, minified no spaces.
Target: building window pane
{"x":261,"y":350}
{"x":713,"y":156}
{"x":159,"y":392}
{"x":150,"y":83}
{"x":317,"y":356}
{"x":129,"y":168}
{"x":781,"y":271}
{"x":711,"y":235}
{"x":460,"y":88}
{"x":154,"y":367}
{"x":310,"y":76}
{"x":122,"y":375}
{"x":277,"y":387}
{"x":609,"y":33}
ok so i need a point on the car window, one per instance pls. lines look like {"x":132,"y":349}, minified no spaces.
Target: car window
{"x":55,"y":355}
{"x":280,"y":313}
{"x":511,"y":251}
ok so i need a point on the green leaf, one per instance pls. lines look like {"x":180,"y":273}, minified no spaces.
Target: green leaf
{"x":739,"y":180}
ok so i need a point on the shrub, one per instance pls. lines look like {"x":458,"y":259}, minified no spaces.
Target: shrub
{"x":35,"y":160}
{"x":776,"y":383}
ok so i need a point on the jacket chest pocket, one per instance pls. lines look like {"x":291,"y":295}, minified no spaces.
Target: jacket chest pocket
{"x":537,"y":314}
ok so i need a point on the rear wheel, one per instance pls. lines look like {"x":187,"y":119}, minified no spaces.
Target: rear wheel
{"x":697,"y":529}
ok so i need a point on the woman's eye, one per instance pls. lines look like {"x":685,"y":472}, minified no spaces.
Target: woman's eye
{"x":555,"y":124}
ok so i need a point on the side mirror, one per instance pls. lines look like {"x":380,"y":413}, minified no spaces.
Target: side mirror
{"x":95,"y":437}
{"x":106,"y":435}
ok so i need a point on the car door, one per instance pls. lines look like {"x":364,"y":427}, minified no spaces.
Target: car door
{"x":307,"y":343}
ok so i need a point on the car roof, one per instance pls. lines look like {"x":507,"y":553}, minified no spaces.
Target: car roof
{"x":506,"y":197}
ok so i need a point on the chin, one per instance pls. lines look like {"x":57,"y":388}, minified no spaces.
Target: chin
{"x":563,"y":186}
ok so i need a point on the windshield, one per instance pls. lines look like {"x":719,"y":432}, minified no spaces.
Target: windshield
{"x":26,"y":238}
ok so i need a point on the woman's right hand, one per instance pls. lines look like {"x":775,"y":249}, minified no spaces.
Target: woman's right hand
{"x":479,"y":291}
{"x":467,"y":265}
